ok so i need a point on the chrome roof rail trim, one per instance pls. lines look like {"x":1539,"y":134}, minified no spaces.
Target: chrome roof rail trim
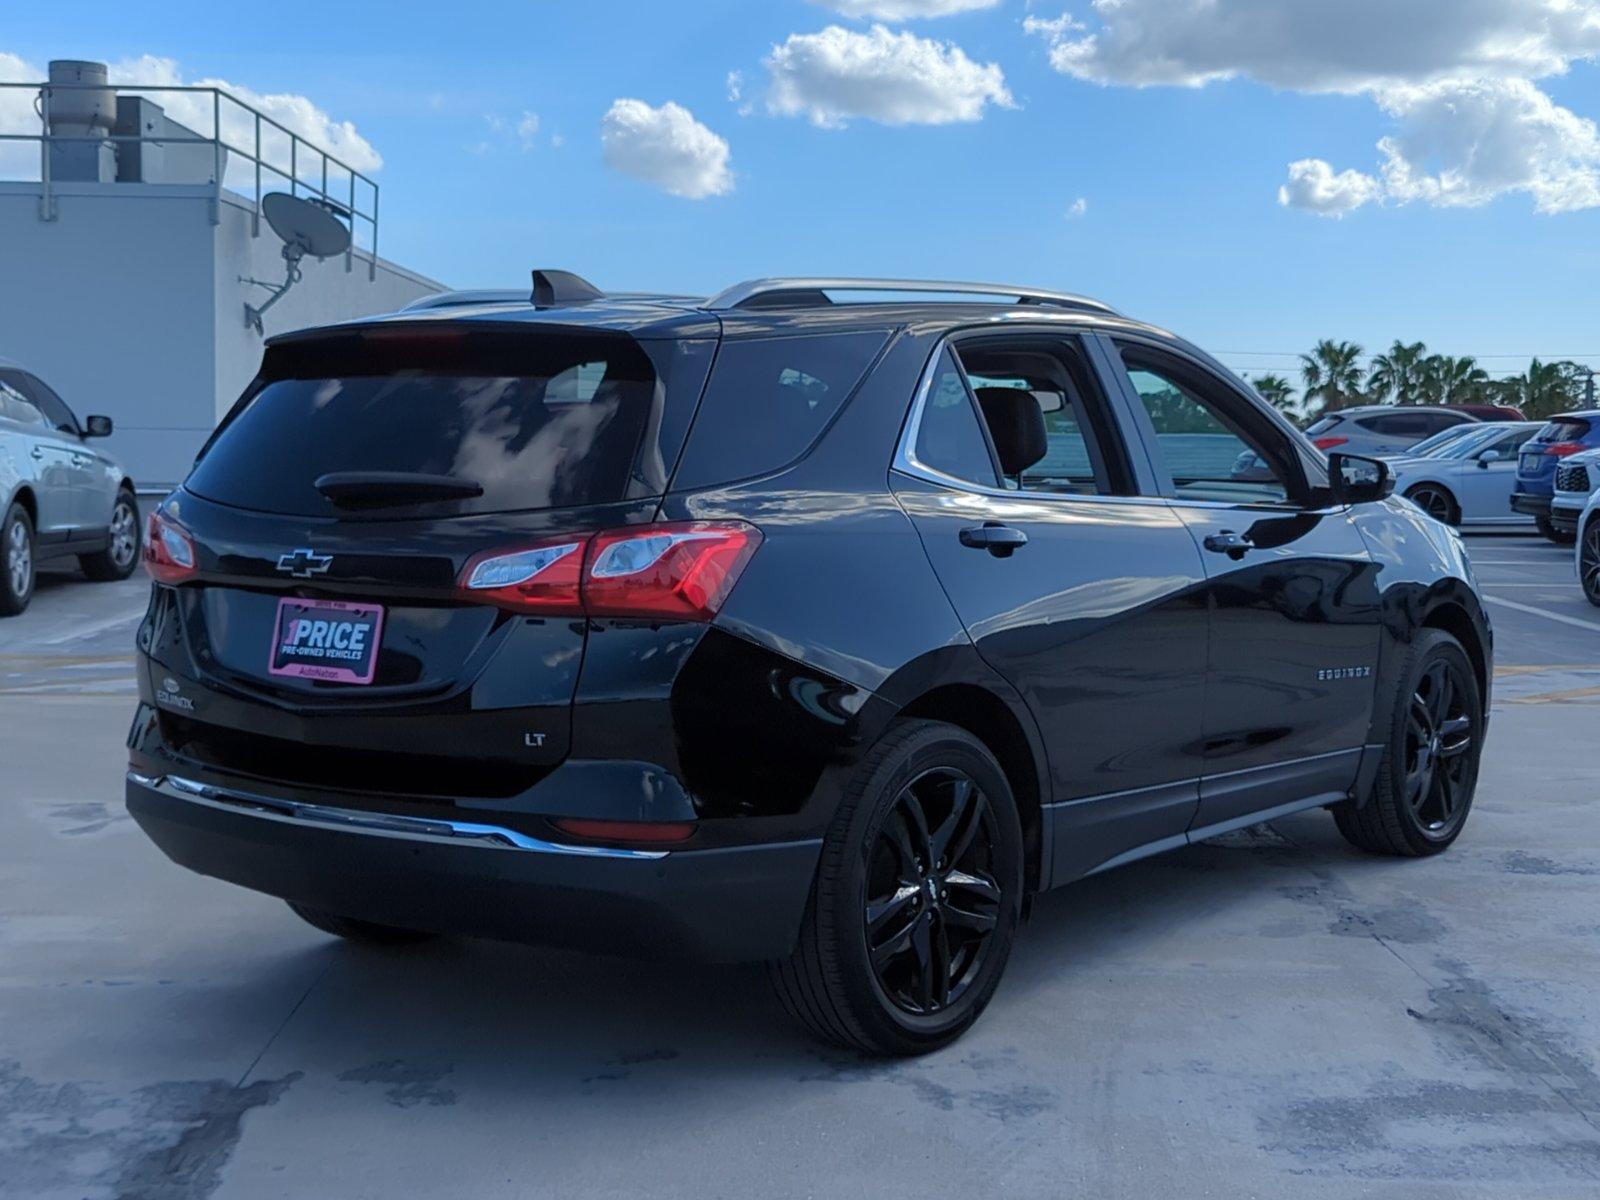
{"x":390,"y":825}
{"x":740,"y":295}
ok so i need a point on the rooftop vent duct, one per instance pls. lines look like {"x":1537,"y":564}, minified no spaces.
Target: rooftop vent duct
{"x":82,"y":108}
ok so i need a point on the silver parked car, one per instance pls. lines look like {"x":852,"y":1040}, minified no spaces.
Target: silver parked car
{"x":62,"y":498}
{"x":1467,"y":481}
{"x":1383,"y":430}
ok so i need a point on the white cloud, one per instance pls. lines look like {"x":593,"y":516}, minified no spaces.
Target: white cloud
{"x":1454,"y":75}
{"x":527,"y":129}
{"x":1462,"y":144}
{"x":891,"y":78}
{"x":1315,"y":187}
{"x":1078,"y":208}
{"x":18,"y":160}
{"x":904,"y":10}
{"x":666,"y":146}
{"x":1322,"y":45}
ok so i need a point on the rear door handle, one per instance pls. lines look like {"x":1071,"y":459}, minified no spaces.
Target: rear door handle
{"x":1002,"y":541}
{"x":1234,"y":545}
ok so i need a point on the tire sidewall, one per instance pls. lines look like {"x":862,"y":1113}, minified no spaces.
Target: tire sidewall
{"x":1452,"y":509}
{"x":1590,"y":535}
{"x":123,"y":571}
{"x":841,"y":913}
{"x":10,"y":601}
{"x":1431,"y":646}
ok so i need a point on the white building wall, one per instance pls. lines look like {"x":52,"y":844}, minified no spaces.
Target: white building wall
{"x":129,"y":304}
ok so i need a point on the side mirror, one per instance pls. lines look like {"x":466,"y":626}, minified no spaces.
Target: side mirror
{"x":97,"y":427}
{"x":1487,"y":457}
{"x":1357,"y":480}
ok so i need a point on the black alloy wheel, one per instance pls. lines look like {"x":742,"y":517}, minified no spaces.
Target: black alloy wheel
{"x":1589,"y":561}
{"x":933,"y":902}
{"x":1425,"y":784}
{"x":917,"y":897}
{"x":1434,"y":501}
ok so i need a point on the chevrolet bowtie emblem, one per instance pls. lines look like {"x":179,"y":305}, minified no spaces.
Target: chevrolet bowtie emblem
{"x":303,"y":564}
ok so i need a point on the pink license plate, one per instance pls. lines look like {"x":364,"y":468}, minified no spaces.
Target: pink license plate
{"x":326,"y":639}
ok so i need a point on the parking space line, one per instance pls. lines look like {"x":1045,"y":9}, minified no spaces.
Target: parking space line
{"x":1576,"y":622}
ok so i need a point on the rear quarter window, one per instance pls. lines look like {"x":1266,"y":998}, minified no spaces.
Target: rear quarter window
{"x":768,"y":400}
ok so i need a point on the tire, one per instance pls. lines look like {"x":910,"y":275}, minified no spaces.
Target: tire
{"x":1557,"y":536}
{"x":1436,"y":502}
{"x":1423,"y":793}
{"x":1589,"y":561}
{"x":121,"y":554}
{"x":969,"y":906}
{"x":358,"y":931}
{"x":17,"y":561}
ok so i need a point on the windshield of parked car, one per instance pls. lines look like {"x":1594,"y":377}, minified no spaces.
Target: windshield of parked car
{"x":1468,"y":443}
{"x":1428,"y":447}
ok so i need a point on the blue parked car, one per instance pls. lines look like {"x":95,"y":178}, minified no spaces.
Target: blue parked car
{"x":1567,"y":434}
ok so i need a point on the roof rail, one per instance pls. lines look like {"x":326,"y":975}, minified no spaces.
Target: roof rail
{"x":774,"y":293}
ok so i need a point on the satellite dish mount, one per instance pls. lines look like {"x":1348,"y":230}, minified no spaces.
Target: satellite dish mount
{"x":307,"y":227}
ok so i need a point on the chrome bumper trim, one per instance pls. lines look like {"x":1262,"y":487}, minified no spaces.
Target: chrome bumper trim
{"x":346,"y":820}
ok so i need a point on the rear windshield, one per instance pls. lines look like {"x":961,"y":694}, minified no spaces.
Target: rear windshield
{"x":1322,"y":425}
{"x":1565,"y":429}
{"x":536,"y":421}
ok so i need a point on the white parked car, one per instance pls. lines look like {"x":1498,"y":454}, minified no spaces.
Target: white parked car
{"x":1576,"y":479}
{"x":1468,"y":481}
{"x":1589,"y":549}
{"x":59,"y":497}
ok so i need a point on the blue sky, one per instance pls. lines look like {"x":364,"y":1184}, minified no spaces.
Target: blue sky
{"x":1179,"y":178}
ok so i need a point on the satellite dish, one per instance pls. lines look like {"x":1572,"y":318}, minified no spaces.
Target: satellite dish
{"x":305,"y":226}
{"x":308,"y":227}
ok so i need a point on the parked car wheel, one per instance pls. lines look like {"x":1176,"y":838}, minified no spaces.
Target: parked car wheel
{"x":1425,"y":785}
{"x":16,"y":561}
{"x":916,"y":899}
{"x":1557,"y":536}
{"x":1589,"y":562}
{"x":1436,"y":502}
{"x":358,"y":931}
{"x":121,"y":554}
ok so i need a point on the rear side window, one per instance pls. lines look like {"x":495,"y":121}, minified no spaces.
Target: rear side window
{"x":767,"y":402}
{"x":950,"y":438}
{"x":537,"y":421}
{"x":1399,"y":425}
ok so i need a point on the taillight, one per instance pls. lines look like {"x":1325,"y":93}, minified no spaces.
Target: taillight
{"x":668,"y":572}
{"x":1329,"y":443}
{"x":674,"y":572}
{"x":542,"y":579}
{"x":169,"y":554}
{"x":1562,"y":449}
{"x":637,"y":833}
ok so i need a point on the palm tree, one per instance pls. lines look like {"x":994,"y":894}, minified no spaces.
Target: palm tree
{"x":1546,"y":389}
{"x":1398,"y":374}
{"x":1447,"y":380}
{"x":1276,"y":391}
{"x":1332,"y":374}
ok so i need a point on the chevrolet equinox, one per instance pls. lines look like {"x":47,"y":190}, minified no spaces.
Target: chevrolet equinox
{"x":823,"y":623}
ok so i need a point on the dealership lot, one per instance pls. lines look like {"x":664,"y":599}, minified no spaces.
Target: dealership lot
{"x":1267,"y":1015}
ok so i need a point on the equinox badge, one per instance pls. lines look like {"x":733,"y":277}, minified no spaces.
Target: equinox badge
{"x":303,"y":564}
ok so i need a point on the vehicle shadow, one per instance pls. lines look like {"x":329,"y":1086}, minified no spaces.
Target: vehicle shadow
{"x":428,"y":1019}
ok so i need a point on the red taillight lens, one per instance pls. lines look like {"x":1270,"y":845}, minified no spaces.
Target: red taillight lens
{"x":668,"y":572}
{"x":1329,"y":443}
{"x":169,"y":554}
{"x":677,"y":572}
{"x":543,"y":578}
{"x":1562,"y":449}
{"x":637,"y":833}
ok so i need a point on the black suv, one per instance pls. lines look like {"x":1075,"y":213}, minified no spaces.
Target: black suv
{"x":779,"y":627}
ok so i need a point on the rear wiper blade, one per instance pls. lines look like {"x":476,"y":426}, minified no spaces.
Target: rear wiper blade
{"x":382,"y":489}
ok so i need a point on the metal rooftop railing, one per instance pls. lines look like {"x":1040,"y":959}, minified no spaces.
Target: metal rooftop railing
{"x":251,"y":154}
{"x":757,"y":293}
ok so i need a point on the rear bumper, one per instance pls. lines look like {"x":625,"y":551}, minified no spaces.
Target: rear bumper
{"x":722,"y":905}
{"x":1532,"y":505}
